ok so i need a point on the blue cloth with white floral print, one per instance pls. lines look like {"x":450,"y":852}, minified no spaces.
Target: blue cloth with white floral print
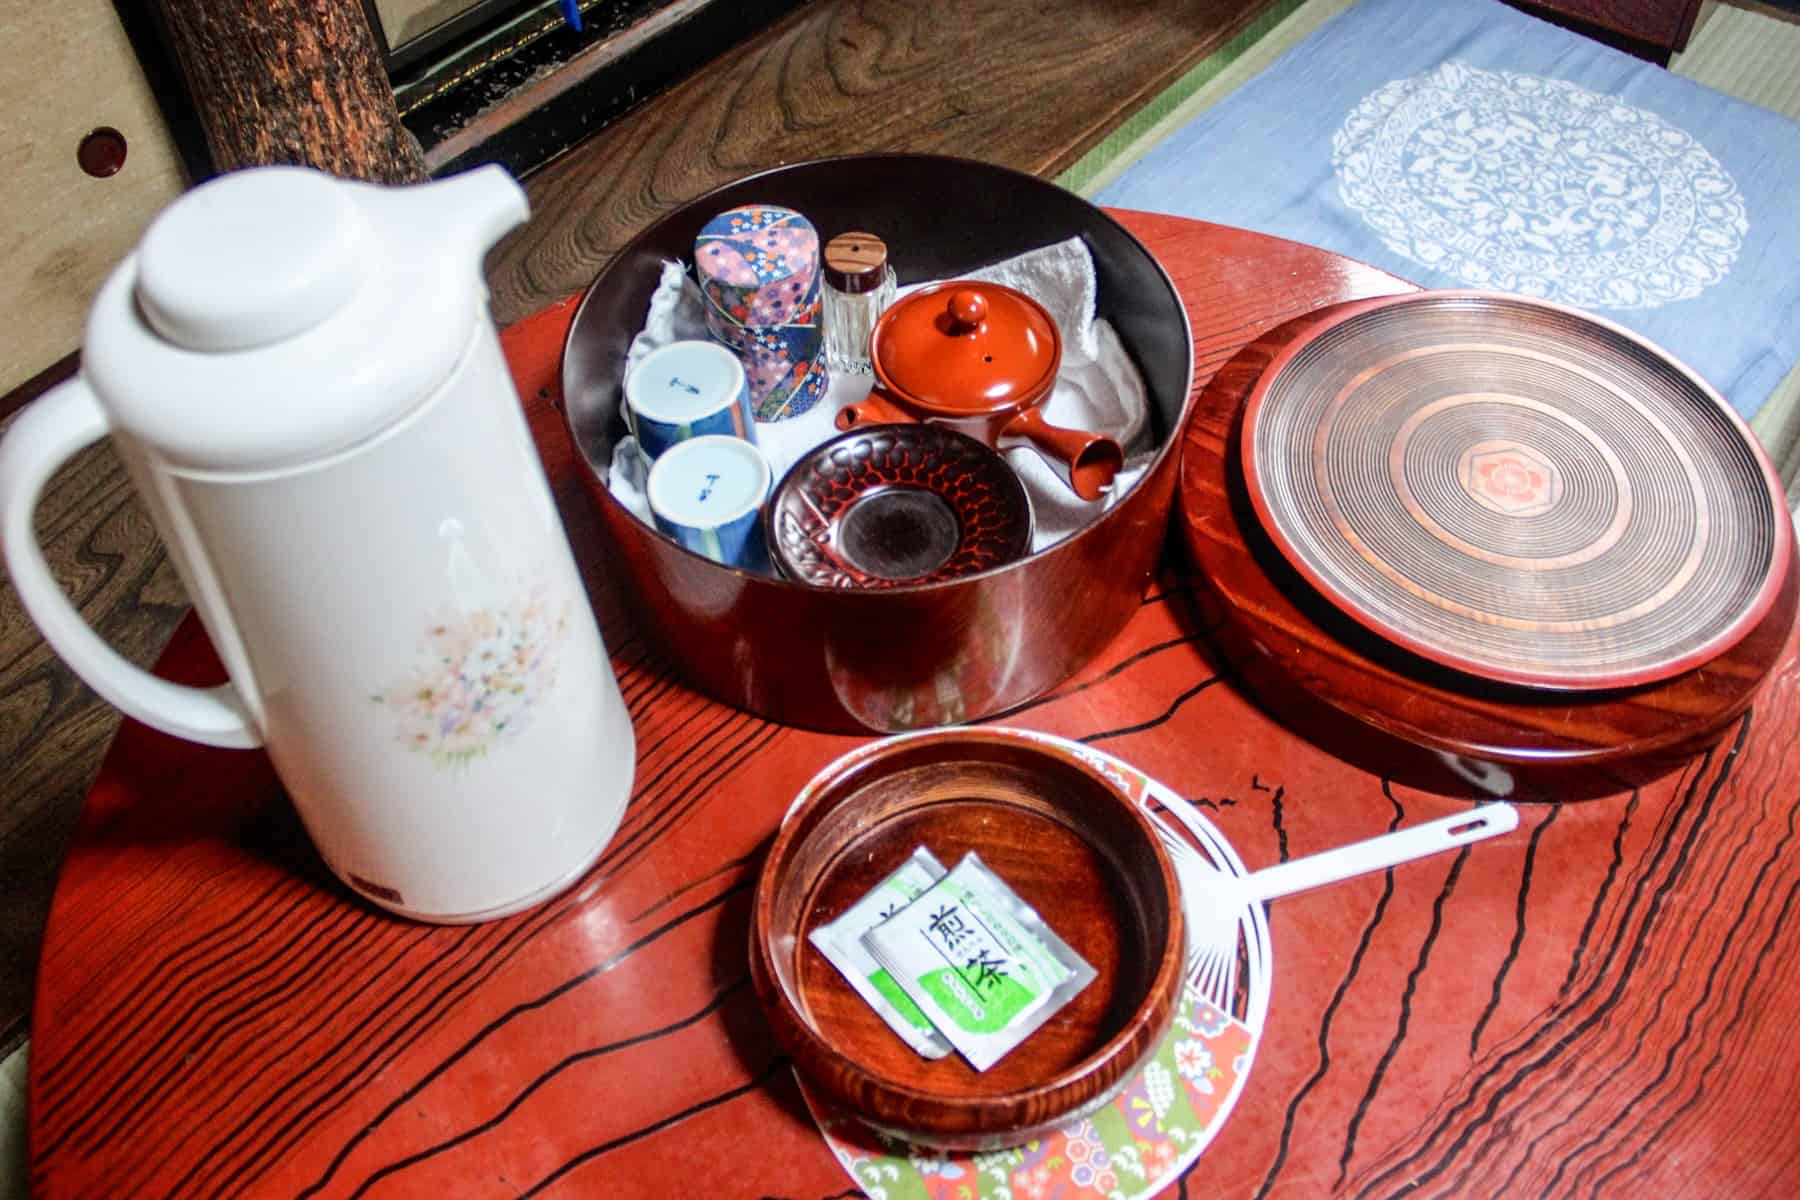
{"x":1458,"y":143}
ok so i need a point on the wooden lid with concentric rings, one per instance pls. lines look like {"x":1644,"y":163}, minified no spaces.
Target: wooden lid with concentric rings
{"x":1516,"y":490}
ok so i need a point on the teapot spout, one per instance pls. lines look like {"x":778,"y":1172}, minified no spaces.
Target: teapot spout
{"x":873,"y":409}
{"x":474,"y":209}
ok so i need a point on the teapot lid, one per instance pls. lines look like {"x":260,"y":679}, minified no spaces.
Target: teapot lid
{"x":277,"y":315}
{"x":967,"y":348}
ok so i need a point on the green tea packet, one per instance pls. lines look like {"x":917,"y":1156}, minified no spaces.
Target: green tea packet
{"x":841,"y":943}
{"x":980,"y":962}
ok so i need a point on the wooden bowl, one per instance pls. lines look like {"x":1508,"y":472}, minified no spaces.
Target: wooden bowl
{"x":1066,"y":839}
{"x":886,"y":659}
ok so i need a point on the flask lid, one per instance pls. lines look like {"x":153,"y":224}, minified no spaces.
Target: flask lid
{"x":276,"y":316}
{"x":250,"y":259}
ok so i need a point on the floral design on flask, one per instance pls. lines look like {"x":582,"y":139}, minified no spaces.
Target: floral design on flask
{"x":477,"y":678}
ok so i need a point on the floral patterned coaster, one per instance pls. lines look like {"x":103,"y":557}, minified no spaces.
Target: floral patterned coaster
{"x":1134,"y":1146}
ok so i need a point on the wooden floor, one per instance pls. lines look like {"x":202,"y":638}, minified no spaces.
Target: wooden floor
{"x":1030,"y":84}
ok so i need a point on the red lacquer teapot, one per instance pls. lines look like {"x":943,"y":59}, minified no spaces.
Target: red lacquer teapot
{"x":982,"y":359}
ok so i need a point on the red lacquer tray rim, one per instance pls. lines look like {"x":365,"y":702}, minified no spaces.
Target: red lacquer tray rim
{"x":1333,"y":316}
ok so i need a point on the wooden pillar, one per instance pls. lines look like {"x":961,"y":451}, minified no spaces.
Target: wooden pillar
{"x":291,"y":81}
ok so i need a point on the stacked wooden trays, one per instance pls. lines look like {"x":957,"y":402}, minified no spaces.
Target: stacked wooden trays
{"x":1487,"y":544}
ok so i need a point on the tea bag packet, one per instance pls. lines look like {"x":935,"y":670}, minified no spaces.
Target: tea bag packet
{"x":980,"y":962}
{"x":841,"y":942}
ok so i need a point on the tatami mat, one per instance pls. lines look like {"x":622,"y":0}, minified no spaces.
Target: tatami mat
{"x":1286,"y":22}
{"x":1755,"y":57}
{"x":1744,"y":53}
{"x":1747,"y":54}
{"x":1741,"y":52}
{"x":1281,"y":25}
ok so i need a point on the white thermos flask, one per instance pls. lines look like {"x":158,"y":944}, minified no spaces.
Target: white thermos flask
{"x":303,"y":381}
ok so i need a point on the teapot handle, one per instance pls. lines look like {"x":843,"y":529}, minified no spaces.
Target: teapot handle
{"x":1087,"y":462}
{"x":44,"y":436}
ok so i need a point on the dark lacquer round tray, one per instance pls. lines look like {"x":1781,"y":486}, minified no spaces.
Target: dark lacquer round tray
{"x":853,"y":660}
{"x":1515,"y":489}
{"x":1370,"y":701}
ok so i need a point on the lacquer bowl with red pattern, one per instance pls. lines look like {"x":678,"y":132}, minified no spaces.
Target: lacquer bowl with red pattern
{"x":897,"y":504}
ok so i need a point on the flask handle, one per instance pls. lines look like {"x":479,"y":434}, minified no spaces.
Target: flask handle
{"x":44,"y":436}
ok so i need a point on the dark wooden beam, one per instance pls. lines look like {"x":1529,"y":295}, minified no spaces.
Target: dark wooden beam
{"x":291,"y":81}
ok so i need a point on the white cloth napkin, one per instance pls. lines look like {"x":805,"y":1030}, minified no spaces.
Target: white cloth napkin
{"x":1098,"y":387}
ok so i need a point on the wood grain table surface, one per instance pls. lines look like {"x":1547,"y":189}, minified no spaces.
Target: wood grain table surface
{"x":1595,"y":1004}
{"x":1030,"y":84}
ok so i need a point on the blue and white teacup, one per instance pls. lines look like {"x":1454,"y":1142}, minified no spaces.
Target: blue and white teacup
{"x":707,"y":493}
{"x":687,"y":390}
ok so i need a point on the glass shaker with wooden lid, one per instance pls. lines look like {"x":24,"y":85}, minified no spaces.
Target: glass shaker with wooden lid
{"x":859,"y":284}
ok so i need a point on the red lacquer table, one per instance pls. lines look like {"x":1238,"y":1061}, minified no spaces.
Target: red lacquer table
{"x":1596,"y":1004}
